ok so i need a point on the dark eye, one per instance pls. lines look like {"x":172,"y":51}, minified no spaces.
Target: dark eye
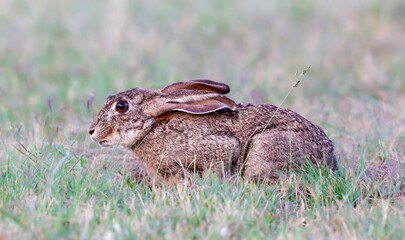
{"x":122,"y":106}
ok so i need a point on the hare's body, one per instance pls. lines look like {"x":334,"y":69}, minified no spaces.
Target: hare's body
{"x":182,"y":135}
{"x":227,"y":142}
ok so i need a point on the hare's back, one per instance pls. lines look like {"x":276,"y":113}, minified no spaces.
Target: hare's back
{"x":272,"y":117}
{"x":258,"y":117}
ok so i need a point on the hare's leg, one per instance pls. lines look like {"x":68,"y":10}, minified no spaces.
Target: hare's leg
{"x":170,"y":178}
{"x":175,"y":174}
{"x":213,"y":154}
{"x":269,"y":153}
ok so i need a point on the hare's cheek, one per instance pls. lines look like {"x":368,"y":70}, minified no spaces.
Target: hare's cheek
{"x":137,"y":124}
{"x":130,"y":137}
{"x":113,"y":138}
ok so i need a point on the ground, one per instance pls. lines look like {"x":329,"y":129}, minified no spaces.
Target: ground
{"x":61,"y":59}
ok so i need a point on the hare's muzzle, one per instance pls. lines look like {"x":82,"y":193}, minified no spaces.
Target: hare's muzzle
{"x":91,"y":132}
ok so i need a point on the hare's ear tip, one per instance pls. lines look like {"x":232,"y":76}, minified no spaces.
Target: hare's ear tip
{"x":227,"y":89}
{"x":232,"y":106}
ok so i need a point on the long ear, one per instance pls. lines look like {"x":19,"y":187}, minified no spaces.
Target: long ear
{"x":189,"y":101}
{"x":202,"y":85}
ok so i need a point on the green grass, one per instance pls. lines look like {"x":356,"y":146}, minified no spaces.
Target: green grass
{"x":60,"y":60}
{"x":57,"y":195}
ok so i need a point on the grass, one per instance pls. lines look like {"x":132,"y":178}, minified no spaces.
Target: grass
{"x":60,"y":60}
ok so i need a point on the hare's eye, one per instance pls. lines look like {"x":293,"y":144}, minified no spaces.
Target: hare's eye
{"x":122,"y":106}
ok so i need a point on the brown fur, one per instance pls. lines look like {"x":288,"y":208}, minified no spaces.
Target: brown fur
{"x":191,"y":128}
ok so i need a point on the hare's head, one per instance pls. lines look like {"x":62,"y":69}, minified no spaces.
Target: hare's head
{"x":121,"y":119}
{"x":127,"y":117}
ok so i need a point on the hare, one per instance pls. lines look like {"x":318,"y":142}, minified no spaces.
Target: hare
{"x":191,"y":127}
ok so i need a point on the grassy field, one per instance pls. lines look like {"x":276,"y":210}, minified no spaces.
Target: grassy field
{"x":59,"y":60}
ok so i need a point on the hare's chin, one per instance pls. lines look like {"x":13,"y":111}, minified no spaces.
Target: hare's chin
{"x":104,"y":143}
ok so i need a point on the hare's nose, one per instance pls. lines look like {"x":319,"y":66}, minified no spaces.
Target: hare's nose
{"x":91,"y":131}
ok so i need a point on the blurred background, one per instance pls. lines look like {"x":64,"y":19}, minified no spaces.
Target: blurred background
{"x":59,"y":60}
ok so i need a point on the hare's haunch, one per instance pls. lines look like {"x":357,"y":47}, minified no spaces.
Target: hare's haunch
{"x":191,"y":127}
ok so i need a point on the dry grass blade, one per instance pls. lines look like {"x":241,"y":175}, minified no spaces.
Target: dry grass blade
{"x":24,"y":151}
